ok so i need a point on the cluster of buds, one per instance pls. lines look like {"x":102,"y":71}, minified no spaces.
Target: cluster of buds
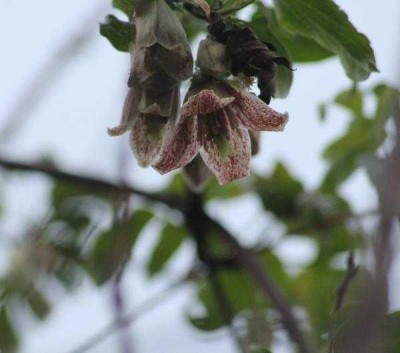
{"x":217,"y":127}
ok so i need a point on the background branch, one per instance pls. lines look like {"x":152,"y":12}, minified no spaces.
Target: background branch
{"x":248,"y":262}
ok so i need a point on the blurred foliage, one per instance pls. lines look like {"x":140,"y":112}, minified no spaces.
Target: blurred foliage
{"x":365,"y":134}
{"x":87,"y":234}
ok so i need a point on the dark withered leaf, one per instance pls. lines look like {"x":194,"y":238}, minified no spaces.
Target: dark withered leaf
{"x":249,"y":55}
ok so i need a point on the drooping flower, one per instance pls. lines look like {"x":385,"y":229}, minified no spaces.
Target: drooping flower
{"x":214,"y":122}
{"x":147,"y":115}
{"x":162,"y":44}
{"x":160,"y":58}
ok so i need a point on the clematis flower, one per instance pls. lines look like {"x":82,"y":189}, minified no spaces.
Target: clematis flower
{"x":215,"y":122}
{"x":162,"y":50}
{"x":147,"y":115}
{"x":160,"y":59}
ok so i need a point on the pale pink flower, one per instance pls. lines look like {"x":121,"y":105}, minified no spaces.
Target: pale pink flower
{"x":147,"y":115}
{"x":215,"y":123}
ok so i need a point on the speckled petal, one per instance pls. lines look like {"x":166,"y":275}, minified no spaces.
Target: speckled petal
{"x":180,"y":147}
{"x":147,"y":138}
{"x":256,"y":115}
{"x":129,"y":112}
{"x":205,"y":102}
{"x":229,"y":162}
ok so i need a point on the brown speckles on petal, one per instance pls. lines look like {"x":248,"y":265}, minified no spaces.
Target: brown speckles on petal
{"x":129,"y":112}
{"x":180,"y":147}
{"x":230,"y":161}
{"x":205,"y":102}
{"x":147,"y":138}
{"x":258,"y":116}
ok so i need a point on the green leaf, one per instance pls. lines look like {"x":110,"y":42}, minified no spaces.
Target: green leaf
{"x":227,"y":7}
{"x":126,"y":6}
{"x":315,"y":290}
{"x":279,"y":192}
{"x":386,"y":97}
{"x":8,"y":336}
{"x":113,"y":247}
{"x":38,"y":303}
{"x":285,"y":76}
{"x":298,"y":48}
{"x":353,"y":100}
{"x":324,"y":22}
{"x":170,"y":240}
{"x":240,"y":292}
{"x":119,"y":33}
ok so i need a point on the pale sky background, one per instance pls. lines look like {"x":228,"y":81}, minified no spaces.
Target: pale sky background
{"x":70,"y":125}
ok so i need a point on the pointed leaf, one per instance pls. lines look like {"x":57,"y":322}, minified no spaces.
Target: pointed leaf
{"x":170,"y":240}
{"x":126,"y":6}
{"x":113,"y":247}
{"x":119,"y":33}
{"x":324,"y":22}
{"x":8,"y":336}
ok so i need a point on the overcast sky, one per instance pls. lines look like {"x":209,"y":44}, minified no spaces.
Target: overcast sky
{"x":70,"y":125}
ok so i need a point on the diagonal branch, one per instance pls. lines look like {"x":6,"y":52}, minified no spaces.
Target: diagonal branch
{"x":92,"y":183}
{"x":247,"y":260}
{"x":142,"y":309}
{"x":194,"y":217}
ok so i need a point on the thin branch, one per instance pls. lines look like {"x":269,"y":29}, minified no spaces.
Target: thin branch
{"x":92,"y":183}
{"x":119,"y":309}
{"x":141,"y":310}
{"x":351,"y":272}
{"x":194,"y":219}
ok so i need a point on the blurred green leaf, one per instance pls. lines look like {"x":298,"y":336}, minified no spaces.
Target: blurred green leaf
{"x":193,"y":26}
{"x":297,"y":47}
{"x":38,"y":303}
{"x":260,"y":350}
{"x":171,"y":238}
{"x":8,"y":337}
{"x":279,"y":192}
{"x":324,"y":22}
{"x":275,"y":268}
{"x":227,"y":7}
{"x":239,"y":290}
{"x":126,"y":6}
{"x":315,"y":290}
{"x":119,"y":33}
{"x":113,"y":247}
{"x":285,"y":76}
{"x":353,"y":100}
{"x":177,"y":188}
{"x":393,"y":331}
{"x":363,"y":136}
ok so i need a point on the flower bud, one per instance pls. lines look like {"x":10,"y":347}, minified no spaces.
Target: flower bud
{"x":213,"y":58}
{"x":160,"y":47}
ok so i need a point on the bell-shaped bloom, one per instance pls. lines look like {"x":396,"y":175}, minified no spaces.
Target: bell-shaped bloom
{"x":161,"y":50}
{"x":215,"y":122}
{"x":147,"y":115}
{"x":160,"y":58}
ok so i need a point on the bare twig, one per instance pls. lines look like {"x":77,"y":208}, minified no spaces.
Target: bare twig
{"x":119,"y":309}
{"x":142,"y":309}
{"x":91,"y":183}
{"x":351,"y":272}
